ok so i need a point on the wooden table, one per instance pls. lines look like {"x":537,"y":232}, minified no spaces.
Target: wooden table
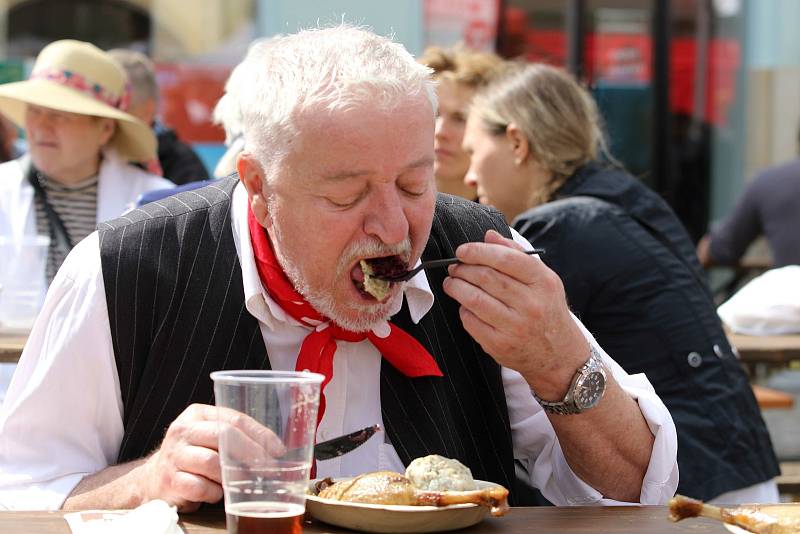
{"x":11,"y":346}
{"x":766,"y":349}
{"x":545,"y":520}
{"x":752,"y":349}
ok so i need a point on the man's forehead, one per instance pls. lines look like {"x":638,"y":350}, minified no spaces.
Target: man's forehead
{"x":364,"y":140}
{"x":348,"y":110}
{"x":336,"y":176}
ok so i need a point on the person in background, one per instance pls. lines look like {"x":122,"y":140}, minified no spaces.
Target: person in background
{"x":264,"y":270}
{"x":11,"y":147}
{"x":228,"y":114}
{"x":80,"y":143}
{"x":177,"y":161}
{"x":768,"y":207}
{"x":628,"y":268}
{"x":459,"y":73}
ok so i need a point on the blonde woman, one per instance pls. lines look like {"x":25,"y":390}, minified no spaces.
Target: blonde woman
{"x":628,"y":267}
{"x":459,"y":72}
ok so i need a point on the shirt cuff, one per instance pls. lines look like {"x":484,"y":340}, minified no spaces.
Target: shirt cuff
{"x":661,"y":479}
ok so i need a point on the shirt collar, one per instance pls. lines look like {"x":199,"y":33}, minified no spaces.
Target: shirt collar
{"x":417,"y":291}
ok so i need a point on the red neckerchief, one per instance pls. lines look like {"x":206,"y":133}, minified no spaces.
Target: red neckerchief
{"x":401,"y":350}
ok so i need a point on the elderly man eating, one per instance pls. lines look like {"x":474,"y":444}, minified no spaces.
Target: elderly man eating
{"x":111,"y":405}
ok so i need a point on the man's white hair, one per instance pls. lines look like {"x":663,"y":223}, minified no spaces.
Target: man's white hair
{"x":317,"y":71}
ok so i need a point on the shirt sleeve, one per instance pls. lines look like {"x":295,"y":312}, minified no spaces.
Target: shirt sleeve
{"x":62,"y":417}
{"x":536,"y":444}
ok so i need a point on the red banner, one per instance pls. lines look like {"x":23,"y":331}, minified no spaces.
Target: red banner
{"x":188,"y":96}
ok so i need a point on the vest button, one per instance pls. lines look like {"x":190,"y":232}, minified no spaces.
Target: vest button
{"x":718,"y":351}
{"x":694,"y":359}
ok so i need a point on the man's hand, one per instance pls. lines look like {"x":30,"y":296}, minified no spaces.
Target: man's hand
{"x":185,"y":470}
{"x":704,"y":251}
{"x":515,"y":307}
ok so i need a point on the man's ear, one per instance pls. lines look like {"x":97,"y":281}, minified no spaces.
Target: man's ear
{"x":519,"y":144}
{"x":252,"y":177}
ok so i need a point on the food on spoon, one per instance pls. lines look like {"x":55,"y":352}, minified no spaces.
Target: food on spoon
{"x":437,"y":473}
{"x":387,"y":487}
{"x":376,"y":269}
{"x":749,"y":518}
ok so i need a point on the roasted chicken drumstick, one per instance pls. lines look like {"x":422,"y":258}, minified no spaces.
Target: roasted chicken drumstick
{"x":749,"y":518}
{"x":386,"y":487}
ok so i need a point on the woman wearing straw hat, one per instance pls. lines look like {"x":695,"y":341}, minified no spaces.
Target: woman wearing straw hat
{"x":80,"y":142}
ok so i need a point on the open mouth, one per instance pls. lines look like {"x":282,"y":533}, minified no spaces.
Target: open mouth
{"x":366,"y":275}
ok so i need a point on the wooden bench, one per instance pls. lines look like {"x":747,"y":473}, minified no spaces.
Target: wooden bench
{"x":789,"y":480}
{"x":772,"y":398}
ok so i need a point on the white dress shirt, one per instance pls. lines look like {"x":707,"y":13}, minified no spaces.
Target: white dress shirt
{"x":62,"y":418}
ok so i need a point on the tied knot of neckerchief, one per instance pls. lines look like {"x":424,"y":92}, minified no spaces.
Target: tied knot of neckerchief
{"x":399,"y":348}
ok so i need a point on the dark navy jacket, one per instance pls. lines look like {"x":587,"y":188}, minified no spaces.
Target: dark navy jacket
{"x":631,"y":275}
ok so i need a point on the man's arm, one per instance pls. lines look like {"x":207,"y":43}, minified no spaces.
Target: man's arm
{"x":184,"y":471}
{"x":515,"y":307}
{"x":115,"y":487}
{"x":61,"y":423}
{"x":62,"y":416}
{"x":703,"y":252}
{"x":727,"y":242}
{"x":608,"y":446}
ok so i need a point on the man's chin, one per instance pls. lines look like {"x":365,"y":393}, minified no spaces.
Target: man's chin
{"x":364,"y":317}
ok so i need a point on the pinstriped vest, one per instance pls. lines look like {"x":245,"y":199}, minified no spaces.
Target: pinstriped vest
{"x":176,"y":308}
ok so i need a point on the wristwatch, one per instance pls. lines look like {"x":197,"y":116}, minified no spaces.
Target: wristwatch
{"x":585,"y":390}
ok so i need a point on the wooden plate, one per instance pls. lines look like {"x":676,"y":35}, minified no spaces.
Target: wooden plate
{"x":394,"y":518}
{"x":790,"y":511}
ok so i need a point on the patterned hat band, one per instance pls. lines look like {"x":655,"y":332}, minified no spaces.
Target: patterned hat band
{"x":79,"y":82}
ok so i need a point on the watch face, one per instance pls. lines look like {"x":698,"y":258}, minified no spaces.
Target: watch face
{"x":590,"y":390}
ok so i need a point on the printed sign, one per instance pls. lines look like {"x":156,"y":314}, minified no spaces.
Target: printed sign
{"x":471,"y":22}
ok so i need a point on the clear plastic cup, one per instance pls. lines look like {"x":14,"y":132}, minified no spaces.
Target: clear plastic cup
{"x":266,"y":455}
{"x":22,"y":281}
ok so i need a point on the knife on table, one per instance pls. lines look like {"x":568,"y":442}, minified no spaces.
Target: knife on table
{"x":343,"y":444}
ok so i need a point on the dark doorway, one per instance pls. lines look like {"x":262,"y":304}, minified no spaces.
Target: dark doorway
{"x":105,"y":23}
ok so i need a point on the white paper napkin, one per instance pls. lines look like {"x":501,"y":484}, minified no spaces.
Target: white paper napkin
{"x":768,"y":305}
{"x":154,"y":517}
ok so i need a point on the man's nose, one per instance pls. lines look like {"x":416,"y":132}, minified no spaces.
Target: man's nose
{"x":386,"y":219}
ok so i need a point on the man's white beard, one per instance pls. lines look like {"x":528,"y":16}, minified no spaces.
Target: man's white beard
{"x":366,"y":316}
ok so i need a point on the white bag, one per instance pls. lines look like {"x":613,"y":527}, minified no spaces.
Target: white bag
{"x":767,"y":305}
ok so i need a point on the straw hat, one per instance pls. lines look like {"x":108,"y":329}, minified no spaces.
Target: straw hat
{"x":78,"y":77}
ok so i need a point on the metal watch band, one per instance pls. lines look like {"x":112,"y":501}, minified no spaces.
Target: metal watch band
{"x":568,"y":406}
